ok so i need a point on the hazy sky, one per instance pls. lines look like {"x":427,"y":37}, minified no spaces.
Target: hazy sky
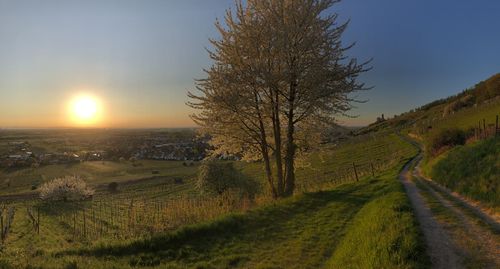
{"x":140,"y":57}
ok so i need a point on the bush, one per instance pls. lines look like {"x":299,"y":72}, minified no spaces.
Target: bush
{"x":5,"y":265}
{"x":446,"y":138}
{"x":217,"y":177}
{"x":66,"y":189}
{"x":465,"y":101}
{"x":71,"y":265}
{"x":113,"y":187}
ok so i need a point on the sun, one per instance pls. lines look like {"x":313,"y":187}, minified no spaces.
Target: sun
{"x":84,"y":109}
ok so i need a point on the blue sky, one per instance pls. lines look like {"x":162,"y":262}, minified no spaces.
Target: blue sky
{"x":139,"y":57}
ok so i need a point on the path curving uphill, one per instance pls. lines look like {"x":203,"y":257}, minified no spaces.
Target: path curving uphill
{"x":440,"y":247}
{"x":458,"y":233}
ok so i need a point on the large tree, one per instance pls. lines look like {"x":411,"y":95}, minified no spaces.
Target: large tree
{"x":279,"y":77}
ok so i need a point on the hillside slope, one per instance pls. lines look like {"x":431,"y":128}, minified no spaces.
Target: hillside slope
{"x":464,"y":110}
{"x":304,"y":231}
{"x":472,"y":170}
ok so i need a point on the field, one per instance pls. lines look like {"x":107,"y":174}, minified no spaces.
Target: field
{"x":155,"y":207}
{"x":96,"y":173}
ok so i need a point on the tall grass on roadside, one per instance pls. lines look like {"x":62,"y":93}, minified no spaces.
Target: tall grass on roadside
{"x":472,"y":170}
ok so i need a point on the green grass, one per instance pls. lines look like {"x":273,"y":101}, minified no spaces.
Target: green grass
{"x":472,"y":170}
{"x":383,"y":235}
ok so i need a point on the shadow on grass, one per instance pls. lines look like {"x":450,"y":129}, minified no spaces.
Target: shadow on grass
{"x":58,"y":208}
{"x":263,"y":224}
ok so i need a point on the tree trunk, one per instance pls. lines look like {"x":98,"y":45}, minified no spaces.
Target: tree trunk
{"x":289,"y":163}
{"x":277,"y":140}
{"x":265,"y":148}
{"x":290,"y":145}
{"x":269,"y":174}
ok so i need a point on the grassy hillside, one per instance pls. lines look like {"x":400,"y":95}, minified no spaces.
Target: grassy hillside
{"x":472,"y":170}
{"x":314,"y":230}
{"x":334,"y":162}
{"x":303,"y":231}
{"x":464,"y":110}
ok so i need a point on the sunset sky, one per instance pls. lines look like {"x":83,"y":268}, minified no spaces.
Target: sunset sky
{"x":136,"y":59}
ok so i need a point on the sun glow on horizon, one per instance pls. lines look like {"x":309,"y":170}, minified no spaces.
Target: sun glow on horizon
{"x":85,"y":110}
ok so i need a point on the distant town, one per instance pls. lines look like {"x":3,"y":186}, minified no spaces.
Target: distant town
{"x":63,"y":148}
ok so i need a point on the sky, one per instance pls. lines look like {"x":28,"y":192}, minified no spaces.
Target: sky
{"x":138,"y":58}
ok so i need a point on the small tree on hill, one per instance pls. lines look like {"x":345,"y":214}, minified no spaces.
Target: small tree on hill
{"x":217,"y":177}
{"x":70,"y":188}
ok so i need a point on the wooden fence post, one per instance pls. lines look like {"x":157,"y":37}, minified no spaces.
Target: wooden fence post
{"x":84,"y":225}
{"x":38,"y":220}
{"x":74,"y":224}
{"x":1,"y":224}
{"x":355,"y":171}
{"x":484,"y":128}
{"x":496,"y":127}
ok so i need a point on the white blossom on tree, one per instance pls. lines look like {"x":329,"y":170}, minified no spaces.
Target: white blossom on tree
{"x":279,"y":77}
{"x":71,"y":188}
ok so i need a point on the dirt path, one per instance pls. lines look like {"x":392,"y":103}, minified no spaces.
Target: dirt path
{"x":480,"y":245}
{"x":440,"y":248}
{"x":490,"y":217}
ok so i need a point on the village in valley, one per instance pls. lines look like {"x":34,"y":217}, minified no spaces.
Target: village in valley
{"x":19,"y":151}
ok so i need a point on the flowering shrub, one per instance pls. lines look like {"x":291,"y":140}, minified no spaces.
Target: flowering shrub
{"x":70,"y":188}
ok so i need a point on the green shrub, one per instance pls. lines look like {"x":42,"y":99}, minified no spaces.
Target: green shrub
{"x":5,"y":264}
{"x":71,"y":265}
{"x":217,"y":177}
{"x":113,"y":187}
{"x":446,"y":138}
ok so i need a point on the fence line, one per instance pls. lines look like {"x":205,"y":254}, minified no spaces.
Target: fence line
{"x":6,"y":219}
{"x":488,"y":129}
